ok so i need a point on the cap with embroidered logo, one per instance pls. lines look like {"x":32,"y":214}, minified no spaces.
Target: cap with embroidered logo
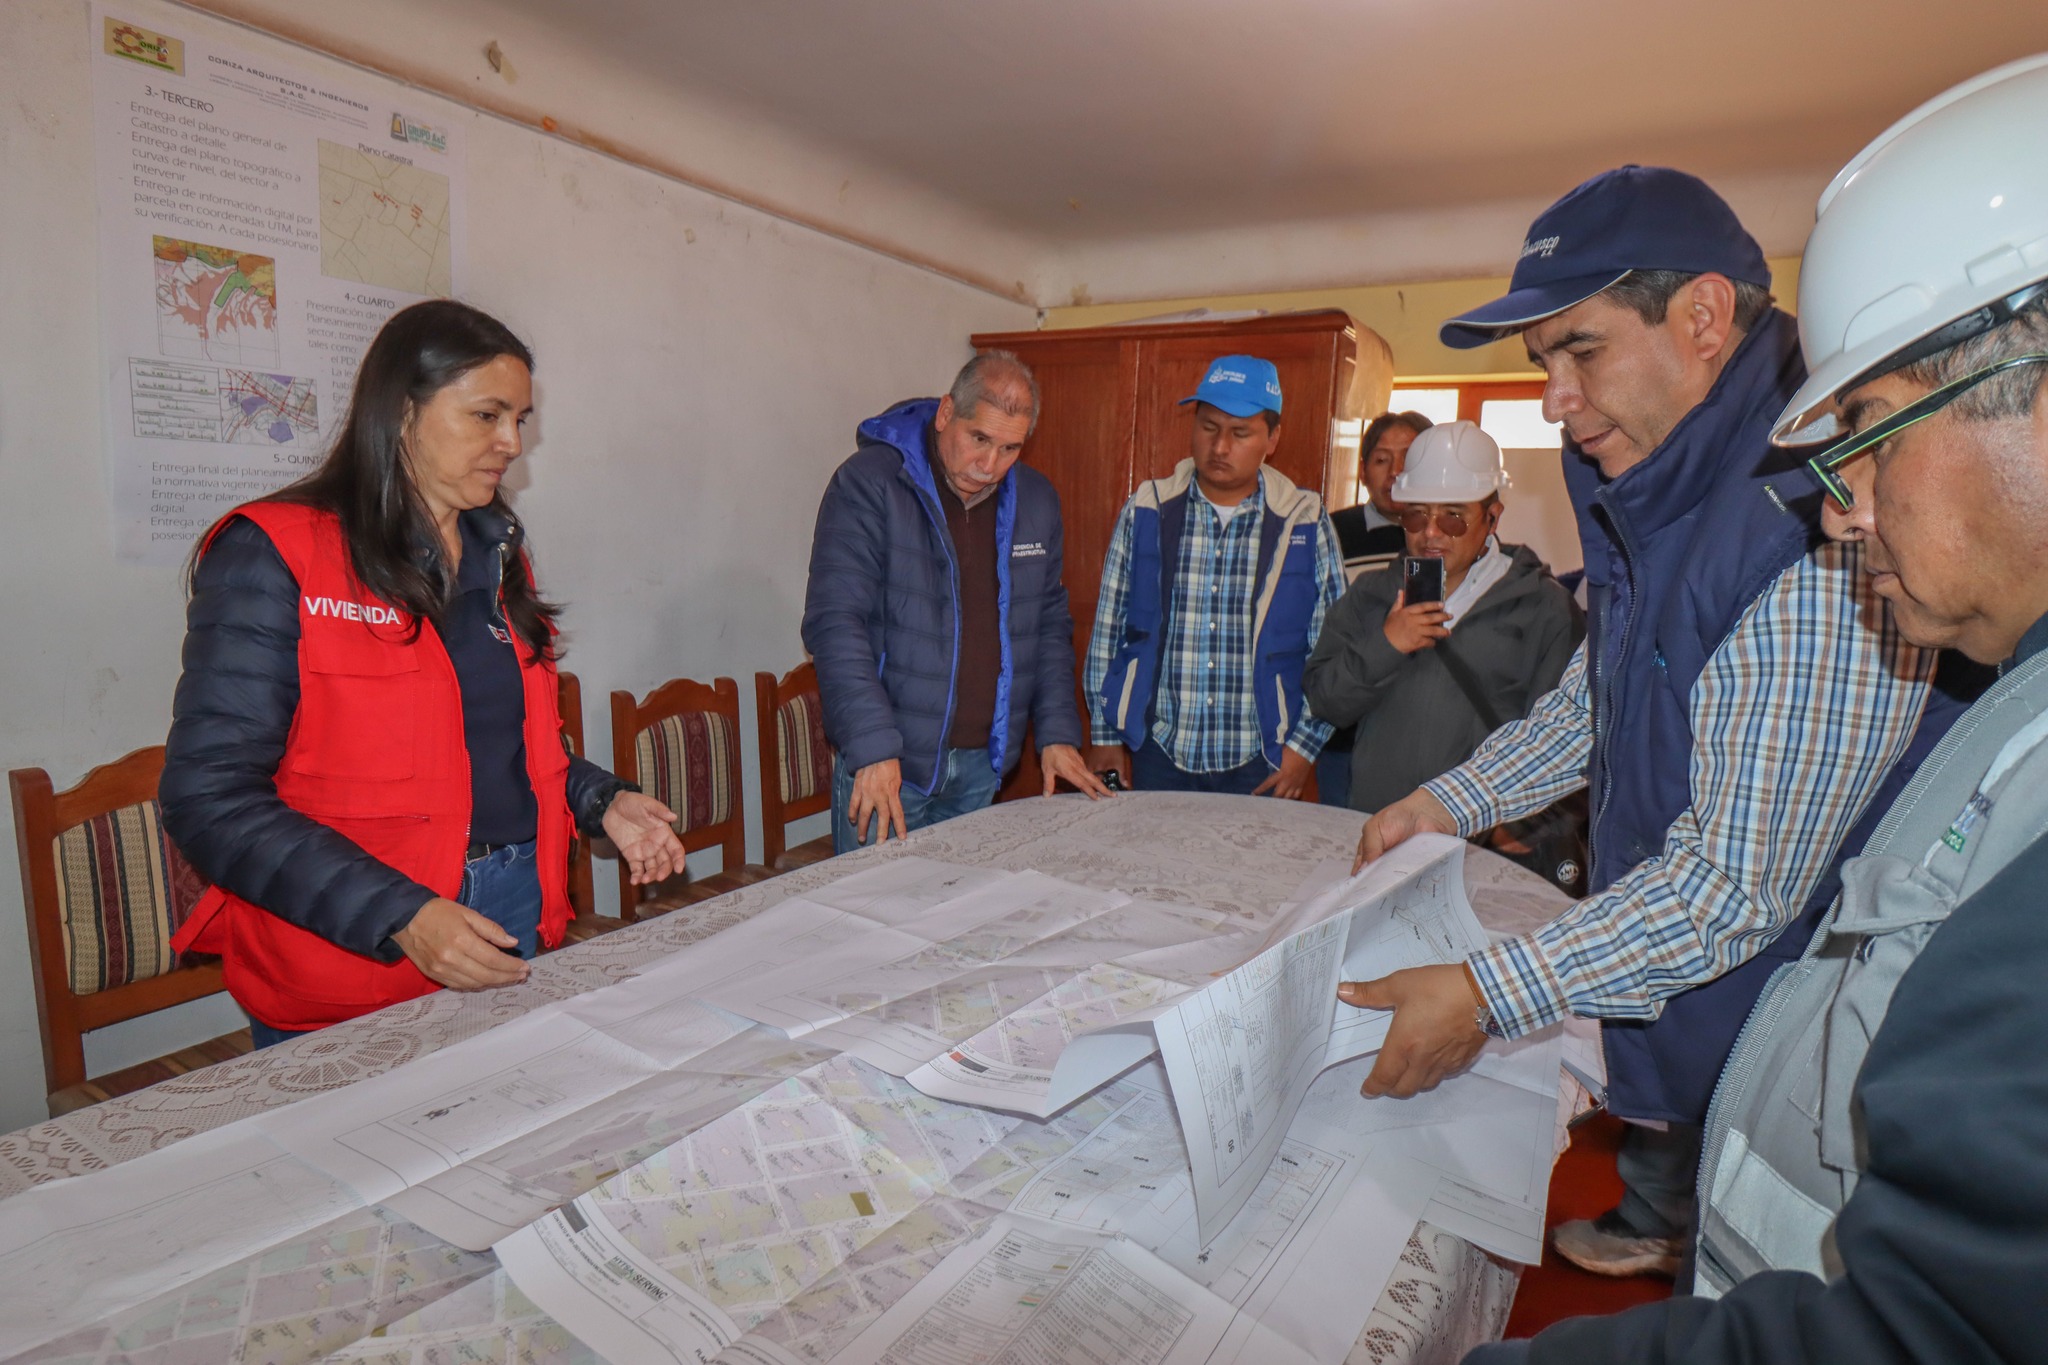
{"x":1241,"y":385}
{"x":1633,"y":218}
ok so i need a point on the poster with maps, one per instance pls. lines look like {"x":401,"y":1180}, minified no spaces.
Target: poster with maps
{"x":259,"y":220}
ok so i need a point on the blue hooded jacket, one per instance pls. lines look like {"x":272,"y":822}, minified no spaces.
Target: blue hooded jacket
{"x":881,"y":612}
{"x":1676,"y":550}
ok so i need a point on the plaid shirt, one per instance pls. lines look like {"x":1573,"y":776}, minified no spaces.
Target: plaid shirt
{"x":1796,"y":720}
{"x":1204,"y":715}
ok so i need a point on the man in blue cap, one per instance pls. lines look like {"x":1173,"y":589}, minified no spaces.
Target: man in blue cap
{"x":1213,"y":592}
{"x":1741,"y":710}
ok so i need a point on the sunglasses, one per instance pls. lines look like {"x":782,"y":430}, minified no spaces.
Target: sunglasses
{"x":1825,"y":464}
{"x":1449,"y":520}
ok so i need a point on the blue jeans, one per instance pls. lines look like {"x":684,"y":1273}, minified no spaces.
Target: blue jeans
{"x":503,"y":885}
{"x":967,"y":783}
{"x":1153,"y":771}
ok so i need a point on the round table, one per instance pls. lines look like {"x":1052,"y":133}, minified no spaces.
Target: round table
{"x":1238,"y":855}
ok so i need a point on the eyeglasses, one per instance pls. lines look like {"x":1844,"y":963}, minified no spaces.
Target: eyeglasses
{"x":1920,"y":409}
{"x":1449,"y":520}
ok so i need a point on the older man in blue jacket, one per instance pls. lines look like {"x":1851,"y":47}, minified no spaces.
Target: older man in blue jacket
{"x":936,"y":615}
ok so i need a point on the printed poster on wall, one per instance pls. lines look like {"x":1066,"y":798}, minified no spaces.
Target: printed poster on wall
{"x":257,"y":225}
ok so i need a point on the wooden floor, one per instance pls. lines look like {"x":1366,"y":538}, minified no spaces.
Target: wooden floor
{"x":1584,"y":1185}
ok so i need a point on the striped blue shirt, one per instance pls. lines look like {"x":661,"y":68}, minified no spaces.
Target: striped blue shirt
{"x":1797,"y":718}
{"x":1204,"y":715}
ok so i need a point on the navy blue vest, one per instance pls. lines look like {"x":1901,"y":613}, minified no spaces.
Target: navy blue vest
{"x":1677,"y":548}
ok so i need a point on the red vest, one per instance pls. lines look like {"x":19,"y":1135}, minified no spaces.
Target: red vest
{"x":376,"y":752}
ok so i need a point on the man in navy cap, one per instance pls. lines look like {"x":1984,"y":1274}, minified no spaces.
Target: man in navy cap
{"x":1213,"y":592}
{"x":1741,"y":710}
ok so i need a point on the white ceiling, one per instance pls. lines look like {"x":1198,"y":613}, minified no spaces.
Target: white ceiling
{"x":1087,"y":119}
{"x":1057,"y":149}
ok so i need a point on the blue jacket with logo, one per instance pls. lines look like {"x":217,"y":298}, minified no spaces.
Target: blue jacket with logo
{"x":1282,"y":612}
{"x":1676,"y":551}
{"x":881,"y":613}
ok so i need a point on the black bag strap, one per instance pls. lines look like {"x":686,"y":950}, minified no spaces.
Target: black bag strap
{"x":1461,"y":674}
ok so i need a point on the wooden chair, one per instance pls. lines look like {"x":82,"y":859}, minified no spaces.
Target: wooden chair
{"x":682,"y":746}
{"x":796,"y":764}
{"x":105,"y":890}
{"x":588,"y":923}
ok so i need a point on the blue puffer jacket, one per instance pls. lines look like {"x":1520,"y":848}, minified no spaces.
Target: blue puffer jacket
{"x":882,"y":609}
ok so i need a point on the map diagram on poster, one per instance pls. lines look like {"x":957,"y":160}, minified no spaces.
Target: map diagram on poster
{"x":215,"y":302}
{"x":260,"y":409}
{"x":383,"y":221}
{"x":174,"y":402}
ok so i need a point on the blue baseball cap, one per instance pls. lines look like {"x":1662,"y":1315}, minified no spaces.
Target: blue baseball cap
{"x":1241,"y":385}
{"x":1634,"y":218}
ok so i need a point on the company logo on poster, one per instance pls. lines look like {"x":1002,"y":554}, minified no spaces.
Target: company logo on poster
{"x":404,"y":129}
{"x":140,"y":45}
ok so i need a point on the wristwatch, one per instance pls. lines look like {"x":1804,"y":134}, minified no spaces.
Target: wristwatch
{"x":1482,"y":1013}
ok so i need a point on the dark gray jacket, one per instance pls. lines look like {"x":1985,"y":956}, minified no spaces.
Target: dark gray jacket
{"x":1414,"y":722}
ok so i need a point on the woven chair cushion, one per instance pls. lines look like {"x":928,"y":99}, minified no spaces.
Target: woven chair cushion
{"x":804,"y":757}
{"x":691,"y":764}
{"x":122,"y":891}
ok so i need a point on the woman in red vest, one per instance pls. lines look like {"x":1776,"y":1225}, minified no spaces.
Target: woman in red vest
{"x":365,"y":759}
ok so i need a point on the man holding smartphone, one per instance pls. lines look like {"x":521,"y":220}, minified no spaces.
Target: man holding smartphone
{"x":1388,"y":661}
{"x":1741,"y":711}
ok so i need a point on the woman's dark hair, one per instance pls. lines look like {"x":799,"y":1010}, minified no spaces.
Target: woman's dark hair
{"x":364,"y":481}
{"x":1379,"y":425}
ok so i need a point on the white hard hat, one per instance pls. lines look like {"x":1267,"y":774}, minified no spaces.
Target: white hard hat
{"x":1451,"y":462}
{"x":1923,"y":239}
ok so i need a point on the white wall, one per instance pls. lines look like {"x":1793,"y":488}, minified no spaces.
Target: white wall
{"x":701,"y":369}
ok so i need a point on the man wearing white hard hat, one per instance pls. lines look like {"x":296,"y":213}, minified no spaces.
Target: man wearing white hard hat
{"x":1876,"y":1169}
{"x":1727,"y":773}
{"x":1426,"y":681}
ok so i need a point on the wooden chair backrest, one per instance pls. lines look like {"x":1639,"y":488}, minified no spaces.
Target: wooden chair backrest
{"x":716,"y":782}
{"x":582,"y":891}
{"x":41,"y":815}
{"x":778,"y":805}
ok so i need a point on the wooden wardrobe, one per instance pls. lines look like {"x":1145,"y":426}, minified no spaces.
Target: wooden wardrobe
{"x":1110,"y":417}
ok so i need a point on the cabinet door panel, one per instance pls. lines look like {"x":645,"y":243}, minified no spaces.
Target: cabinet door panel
{"x":1083,"y":444}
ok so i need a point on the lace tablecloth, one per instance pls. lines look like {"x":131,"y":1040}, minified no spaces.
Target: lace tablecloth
{"x":1233,"y":854}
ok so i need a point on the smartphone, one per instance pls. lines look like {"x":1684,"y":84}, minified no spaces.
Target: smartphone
{"x":1422,"y":579}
